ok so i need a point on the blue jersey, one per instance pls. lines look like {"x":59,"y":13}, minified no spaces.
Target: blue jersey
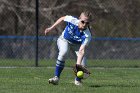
{"x":73,"y":34}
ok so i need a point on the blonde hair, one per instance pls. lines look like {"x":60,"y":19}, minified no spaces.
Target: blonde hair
{"x":87,"y":14}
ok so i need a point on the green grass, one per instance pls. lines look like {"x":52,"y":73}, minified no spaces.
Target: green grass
{"x":108,"y":76}
{"x":69,"y":63}
{"x":102,"y":80}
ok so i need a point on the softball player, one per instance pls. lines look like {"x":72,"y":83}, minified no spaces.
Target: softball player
{"x":76,"y":36}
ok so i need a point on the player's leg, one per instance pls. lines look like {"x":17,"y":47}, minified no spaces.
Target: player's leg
{"x":84,"y":61}
{"x":63,"y":49}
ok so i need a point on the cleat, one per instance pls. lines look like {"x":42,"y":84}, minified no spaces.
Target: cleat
{"x":54,"y":80}
{"x":78,"y":83}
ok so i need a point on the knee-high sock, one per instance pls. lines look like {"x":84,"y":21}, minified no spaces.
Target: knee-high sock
{"x":59,"y":67}
{"x":78,"y":79}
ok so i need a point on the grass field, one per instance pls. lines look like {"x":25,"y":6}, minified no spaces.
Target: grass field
{"x":69,"y":63}
{"x":108,"y":77}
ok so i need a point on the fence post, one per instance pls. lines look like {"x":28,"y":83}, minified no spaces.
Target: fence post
{"x":37,"y":28}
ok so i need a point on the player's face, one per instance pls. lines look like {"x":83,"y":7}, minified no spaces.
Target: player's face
{"x":84,"y":22}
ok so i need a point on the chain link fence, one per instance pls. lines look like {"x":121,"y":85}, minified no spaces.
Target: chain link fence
{"x":115,"y":29}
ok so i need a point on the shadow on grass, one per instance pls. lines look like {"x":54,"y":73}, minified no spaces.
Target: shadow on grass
{"x":97,"y":86}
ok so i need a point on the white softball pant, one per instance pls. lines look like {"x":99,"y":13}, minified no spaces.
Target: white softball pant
{"x":64,"y":46}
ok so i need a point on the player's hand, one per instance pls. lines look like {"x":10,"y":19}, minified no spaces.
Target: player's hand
{"x":78,"y":67}
{"x":47,"y":30}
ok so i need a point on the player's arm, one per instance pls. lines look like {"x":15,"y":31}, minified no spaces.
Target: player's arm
{"x":78,"y":66}
{"x":54,"y":25}
{"x":81,"y":53}
{"x":83,"y":47}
